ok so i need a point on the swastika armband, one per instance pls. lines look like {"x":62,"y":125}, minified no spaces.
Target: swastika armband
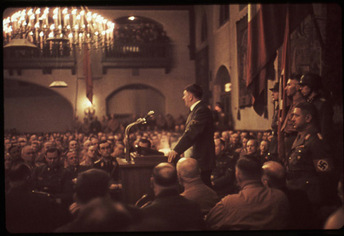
{"x":323,"y":165}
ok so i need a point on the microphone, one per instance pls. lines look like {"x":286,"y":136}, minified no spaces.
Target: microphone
{"x":144,"y":120}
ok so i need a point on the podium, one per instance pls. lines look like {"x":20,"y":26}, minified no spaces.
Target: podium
{"x":135,"y":176}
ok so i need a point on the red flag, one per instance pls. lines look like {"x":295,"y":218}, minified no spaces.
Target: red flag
{"x":264,"y":36}
{"x":88,"y":73}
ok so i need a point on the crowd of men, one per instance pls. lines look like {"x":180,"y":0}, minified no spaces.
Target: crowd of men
{"x":71,"y":181}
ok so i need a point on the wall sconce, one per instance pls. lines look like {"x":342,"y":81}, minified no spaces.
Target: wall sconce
{"x":90,"y":111}
{"x":228,"y":87}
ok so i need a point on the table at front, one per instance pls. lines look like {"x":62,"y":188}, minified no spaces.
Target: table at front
{"x":135,"y":177}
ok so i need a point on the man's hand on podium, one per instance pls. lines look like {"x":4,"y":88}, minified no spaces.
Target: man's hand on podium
{"x":172,"y":155}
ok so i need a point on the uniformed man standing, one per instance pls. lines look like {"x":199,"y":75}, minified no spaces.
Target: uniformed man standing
{"x":273,"y":149}
{"x":310,"y":88}
{"x":289,"y":132}
{"x":309,"y":164}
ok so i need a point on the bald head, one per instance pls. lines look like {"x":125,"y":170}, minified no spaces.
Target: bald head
{"x":165,"y":175}
{"x":274,"y":174}
{"x":188,"y":168}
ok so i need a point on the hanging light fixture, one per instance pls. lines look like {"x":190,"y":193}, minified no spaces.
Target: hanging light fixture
{"x":41,"y":26}
{"x":58,"y":84}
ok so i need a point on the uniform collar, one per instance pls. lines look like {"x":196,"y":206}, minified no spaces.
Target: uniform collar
{"x":193,"y":105}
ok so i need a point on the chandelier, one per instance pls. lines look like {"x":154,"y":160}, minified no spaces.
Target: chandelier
{"x":73,"y":25}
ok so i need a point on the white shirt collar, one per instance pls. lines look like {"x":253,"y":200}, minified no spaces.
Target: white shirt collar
{"x":193,"y":105}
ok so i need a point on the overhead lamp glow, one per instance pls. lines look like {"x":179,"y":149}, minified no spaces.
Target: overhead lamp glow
{"x":58,"y":84}
{"x":131,"y":17}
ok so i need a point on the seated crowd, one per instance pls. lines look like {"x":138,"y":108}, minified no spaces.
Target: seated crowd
{"x":69,"y":182}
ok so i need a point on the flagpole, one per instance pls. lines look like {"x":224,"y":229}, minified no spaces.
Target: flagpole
{"x":283,"y":78}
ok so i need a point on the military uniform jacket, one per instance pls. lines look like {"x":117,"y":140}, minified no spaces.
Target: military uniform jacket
{"x":52,"y":180}
{"x":308,"y":163}
{"x":199,"y":133}
{"x":325,"y":117}
{"x":110,"y":166}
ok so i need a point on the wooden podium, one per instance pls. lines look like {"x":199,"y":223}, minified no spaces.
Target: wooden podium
{"x":135,"y":176}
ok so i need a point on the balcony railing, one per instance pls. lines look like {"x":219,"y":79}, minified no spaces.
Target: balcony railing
{"x":62,"y":56}
{"x":138,"y":55}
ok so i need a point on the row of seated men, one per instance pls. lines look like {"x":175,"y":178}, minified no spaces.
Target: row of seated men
{"x":262,"y":202}
{"x":181,"y":202}
{"x":246,"y":145}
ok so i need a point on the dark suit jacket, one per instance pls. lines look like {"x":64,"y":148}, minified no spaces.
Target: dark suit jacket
{"x":172,"y":212}
{"x":199,"y":133}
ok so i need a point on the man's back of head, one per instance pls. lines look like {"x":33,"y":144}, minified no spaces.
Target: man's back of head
{"x":187,"y":169}
{"x":274,"y":175}
{"x":91,"y":184}
{"x":165,"y":175}
{"x":247,"y":169}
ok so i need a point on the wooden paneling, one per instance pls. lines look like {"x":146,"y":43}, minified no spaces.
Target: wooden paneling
{"x":135,"y":177}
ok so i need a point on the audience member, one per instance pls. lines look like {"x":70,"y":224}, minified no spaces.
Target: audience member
{"x":30,"y":211}
{"x":194,"y":189}
{"x":252,"y":151}
{"x":254,"y":207}
{"x":234,"y":144}
{"x":14,"y":151}
{"x":40,"y":158}
{"x":90,"y":157}
{"x":28,"y":156}
{"x":302,"y":215}
{"x":106,"y":162}
{"x":336,"y":219}
{"x":144,"y":148}
{"x":169,"y":211}
{"x":93,"y":210}
{"x":118,"y":150}
{"x":73,"y":163}
{"x":264,"y":154}
{"x":53,"y":178}
{"x":223,"y":175}
{"x":22,"y":141}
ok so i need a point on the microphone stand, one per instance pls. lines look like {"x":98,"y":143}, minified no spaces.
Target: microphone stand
{"x":126,"y":133}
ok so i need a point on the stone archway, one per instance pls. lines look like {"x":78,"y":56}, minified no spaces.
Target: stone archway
{"x":135,"y":100}
{"x":222,"y":92}
{"x":31,"y":108}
